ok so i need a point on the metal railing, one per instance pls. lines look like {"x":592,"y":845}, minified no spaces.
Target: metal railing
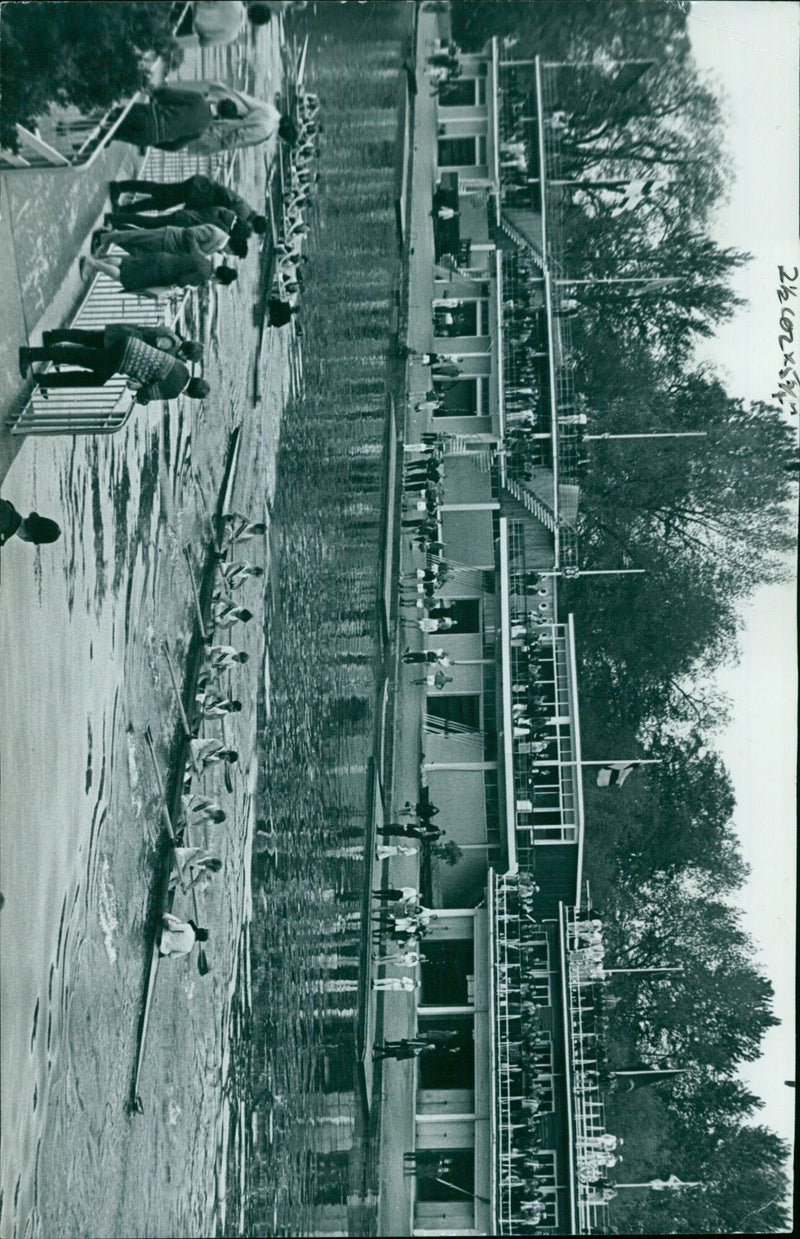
{"x":545,"y":772}
{"x":588,"y":1113}
{"x":521,"y":975}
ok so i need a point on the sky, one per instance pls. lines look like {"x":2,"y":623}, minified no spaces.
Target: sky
{"x":752,"y":47}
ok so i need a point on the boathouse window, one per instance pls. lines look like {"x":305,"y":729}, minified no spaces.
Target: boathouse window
{"x":468,"y":317}
{"x":462,"y":152}
{"x":453,"y":1065}
{"x":447,"y":971}
{"x":460,"y":1173}
{"x":466,"y":612}
{"x":453,"y":713}
{"x":469,"y":92}
{"x":463,"y":397}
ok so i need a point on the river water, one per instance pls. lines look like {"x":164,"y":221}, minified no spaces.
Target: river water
{"x":232,"y":1074}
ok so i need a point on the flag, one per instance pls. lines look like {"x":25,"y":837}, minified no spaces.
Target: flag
{"x":615,"y":774}
{"x":631,"y":1078}
{"x":661,"y":1185}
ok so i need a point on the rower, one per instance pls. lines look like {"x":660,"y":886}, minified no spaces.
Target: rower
{"x":207,"y":752}
{"x":199,"y":864}
{"x":178,"y":937}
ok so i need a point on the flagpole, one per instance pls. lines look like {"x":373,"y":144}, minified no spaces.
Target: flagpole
{"x":657,"y":1189}
{"x":624,"y":279}
{"x":626,"y":971}
{"x":654,"y":434}
{"x":592,"y":572}
{"x":617,"y":761}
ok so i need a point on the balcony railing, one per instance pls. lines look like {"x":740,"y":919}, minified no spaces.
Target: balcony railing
{"x":525,"y":1172}
{"x":582,"y":953}
{"x":544,"y":752}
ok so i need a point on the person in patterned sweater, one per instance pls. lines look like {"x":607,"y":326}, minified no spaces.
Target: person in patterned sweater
{"x":151,"y":372}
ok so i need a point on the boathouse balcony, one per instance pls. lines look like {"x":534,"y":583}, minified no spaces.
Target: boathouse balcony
{"x":584,"y":1006}
{"x":540,"y":728}
{"x":532,"y":1182}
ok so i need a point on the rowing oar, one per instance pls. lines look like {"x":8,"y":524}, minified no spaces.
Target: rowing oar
{"x":203,"y":966}
{"x":186,"y":728}
{"x":195,"y":595}
{"x":214,"y":540}
{"x":148,"y":735}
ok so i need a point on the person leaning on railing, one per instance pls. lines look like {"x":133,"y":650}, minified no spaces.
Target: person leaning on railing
{"x":152,"y":373}
{"x":151,"y":275}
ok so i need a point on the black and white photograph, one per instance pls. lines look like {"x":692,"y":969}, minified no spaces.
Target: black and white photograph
{"x":399,"y":460}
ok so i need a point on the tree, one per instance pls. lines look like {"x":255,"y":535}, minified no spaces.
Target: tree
{"x":88,"y":55}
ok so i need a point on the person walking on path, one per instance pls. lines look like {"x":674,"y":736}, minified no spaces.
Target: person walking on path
{"x":426,"y":656}
{"x":34,"y":528}
{"x":159,"y":336}
{"x":196,"y":193}
{"x":398,"y":1050}
{"x":397,"y":894}
{"x":423,"y":809}
{"x":152,"y":374}
{"x":400,"y":959}
{"x":438,"y":681}
{"x":395,"y":985}
{"x":424,"y":831}
{"x":384,"y":851}
{"x":150,"y":275}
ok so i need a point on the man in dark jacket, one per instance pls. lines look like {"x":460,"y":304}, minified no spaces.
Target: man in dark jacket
{"x":197,"y":193}
{"x":152,"y":373}
{"x":168,"y":119}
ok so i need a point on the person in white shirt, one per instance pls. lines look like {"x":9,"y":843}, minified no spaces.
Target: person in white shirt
{"x":222,"y":21}
{"x":178,"y":937}
{"x":395,"y":985}
{"x":210,"y":751}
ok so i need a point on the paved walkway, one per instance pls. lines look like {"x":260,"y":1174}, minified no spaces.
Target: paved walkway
{"x":399,"y":1079}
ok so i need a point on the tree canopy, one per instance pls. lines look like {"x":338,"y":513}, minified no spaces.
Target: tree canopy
{"x":637,"y":167}
{"x":87,"y":54}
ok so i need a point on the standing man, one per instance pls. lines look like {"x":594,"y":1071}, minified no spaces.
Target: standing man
{"x":196,"y":193}
{"x":151,"y":373}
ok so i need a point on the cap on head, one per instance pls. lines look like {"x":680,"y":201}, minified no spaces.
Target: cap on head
{"x":259,"y":14}
{"x":288,"y":130}
{"x":197,"y":389}
{"x":191,"y":350}
{"x":259,"y":223}
{"x":41,"y":529}
{"x":227,"y":109}
{"x":238,"y":245}
{"x":225,"y":275}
